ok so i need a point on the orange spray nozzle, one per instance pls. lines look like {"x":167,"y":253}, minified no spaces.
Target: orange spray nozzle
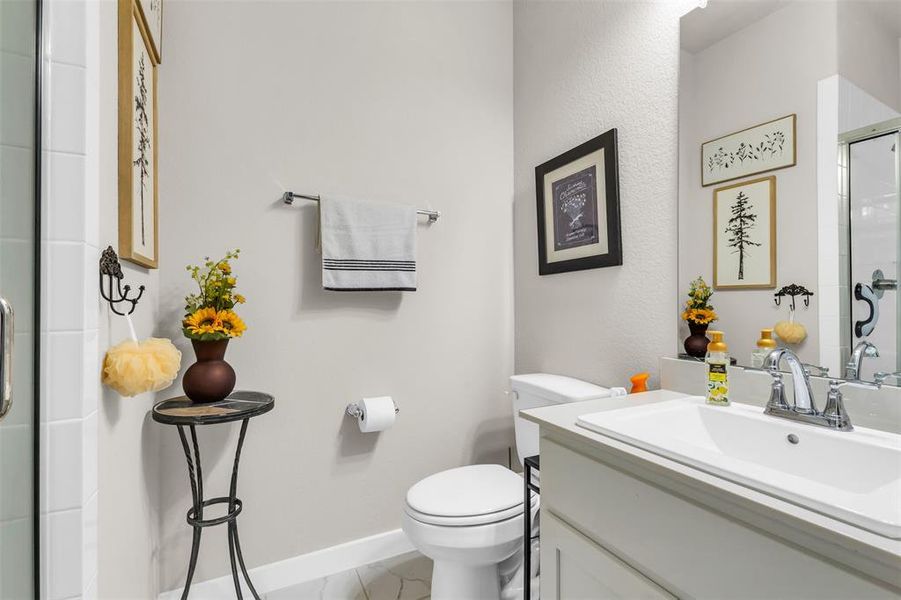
{"x":639,"y":382}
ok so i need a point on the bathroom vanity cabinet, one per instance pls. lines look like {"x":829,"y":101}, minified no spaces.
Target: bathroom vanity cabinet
{"x":618,"y":522}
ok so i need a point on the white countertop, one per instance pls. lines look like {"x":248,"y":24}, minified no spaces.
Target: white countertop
{"x":559,"y":422}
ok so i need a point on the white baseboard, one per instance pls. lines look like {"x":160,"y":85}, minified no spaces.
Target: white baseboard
{"x":291,"y":571}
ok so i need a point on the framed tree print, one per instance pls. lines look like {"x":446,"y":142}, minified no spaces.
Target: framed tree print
{"x":744,"y":235}
{"x":138,"y":212}
{"x":152,"y":10}
{"x":578,"y":208}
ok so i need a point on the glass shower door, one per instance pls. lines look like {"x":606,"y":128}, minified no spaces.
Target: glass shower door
{"x":875,"y":246}
{"x":18,"y":262}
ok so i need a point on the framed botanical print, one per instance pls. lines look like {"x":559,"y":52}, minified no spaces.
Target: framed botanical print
{"x":744,"y":235}
{"x":578,"y":208}
{"x":765,"y":147}
{"x":138,"y":213}
{"x":152,"y":10}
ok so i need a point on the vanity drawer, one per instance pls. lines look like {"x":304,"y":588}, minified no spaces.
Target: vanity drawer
{"x":575,"y":568}
{"x":681,"y":545}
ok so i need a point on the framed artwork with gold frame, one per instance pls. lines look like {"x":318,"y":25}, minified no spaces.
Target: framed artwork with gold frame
{"x":138,"y":196}
{"x":744,"y":235}
{"x":152,"y":10}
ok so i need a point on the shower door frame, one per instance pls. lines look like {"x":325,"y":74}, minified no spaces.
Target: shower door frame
{"x":36,"y":354}
{"x":877,"y":130}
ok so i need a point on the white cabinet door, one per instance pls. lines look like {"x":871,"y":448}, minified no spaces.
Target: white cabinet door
{"x":575,"y":568}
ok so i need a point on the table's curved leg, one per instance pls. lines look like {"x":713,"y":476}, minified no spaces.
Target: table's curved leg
{"x":197,"y":496}
{"x":234,"y":546}
{"x":231,"y":557}
{"x":241,"y":562}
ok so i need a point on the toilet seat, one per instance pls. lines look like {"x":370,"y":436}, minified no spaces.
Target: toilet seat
{"x":470,"y":520}
{"x":466,"y":496}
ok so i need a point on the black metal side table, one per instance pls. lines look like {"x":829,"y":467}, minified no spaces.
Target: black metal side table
{"x":181,"y":412}
{"x":531,"y":469}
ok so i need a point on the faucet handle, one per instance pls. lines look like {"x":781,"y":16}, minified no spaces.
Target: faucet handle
{"x":816,"y":370}
{"x":835,"y":412}
{"x":881,"y":376}
{"x":777,"y":393}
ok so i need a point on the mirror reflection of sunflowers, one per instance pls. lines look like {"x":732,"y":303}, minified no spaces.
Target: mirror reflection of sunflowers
{"x":698,"y":309}
{"x":209,"y":314}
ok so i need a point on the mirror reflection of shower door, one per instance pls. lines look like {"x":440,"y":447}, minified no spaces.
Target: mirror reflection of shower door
{"x":875,"y":244}
{"x":18,"y":258}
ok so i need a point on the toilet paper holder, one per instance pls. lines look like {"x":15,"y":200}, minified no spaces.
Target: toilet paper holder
{"x":356,"y":411}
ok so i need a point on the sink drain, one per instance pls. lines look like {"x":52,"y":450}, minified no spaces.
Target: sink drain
{"x":792,"y":439}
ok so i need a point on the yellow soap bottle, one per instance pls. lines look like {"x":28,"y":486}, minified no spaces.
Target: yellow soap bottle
{"x":717,"y":370}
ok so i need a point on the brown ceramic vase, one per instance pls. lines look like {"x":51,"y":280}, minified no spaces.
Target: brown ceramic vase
{"x":210,"y":379}
{"x":696,"y":343}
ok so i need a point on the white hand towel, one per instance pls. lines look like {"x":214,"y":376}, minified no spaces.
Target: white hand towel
{"x":367,"y":246}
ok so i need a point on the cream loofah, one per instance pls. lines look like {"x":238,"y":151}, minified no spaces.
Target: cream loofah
{"x":790,"y":332}
{"x":132,"y":368}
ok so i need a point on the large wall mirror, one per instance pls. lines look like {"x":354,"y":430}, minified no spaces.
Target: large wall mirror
{"x":790,"y":179}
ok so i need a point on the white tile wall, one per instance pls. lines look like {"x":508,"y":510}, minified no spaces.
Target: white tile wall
{"x":63,"y":551}
{"x":66,"y":177}
{"x":62,"y":482}
{"x":70,"y":353}
{"x":828,"y":221}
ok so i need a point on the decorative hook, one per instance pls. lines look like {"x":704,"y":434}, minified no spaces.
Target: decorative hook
{"x":110,"y":267}
{"x":793,"y":290}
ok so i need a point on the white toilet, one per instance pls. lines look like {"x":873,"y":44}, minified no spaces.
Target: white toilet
{"x":470,"y":519}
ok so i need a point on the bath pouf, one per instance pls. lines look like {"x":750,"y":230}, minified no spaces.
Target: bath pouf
{"x":132,"y":368}
{"x":790,"y":332}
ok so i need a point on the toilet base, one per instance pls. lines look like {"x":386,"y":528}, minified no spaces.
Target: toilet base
{"x":457,"y":581}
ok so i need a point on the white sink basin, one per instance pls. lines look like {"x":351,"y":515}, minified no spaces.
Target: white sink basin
{"x":852,"y":476}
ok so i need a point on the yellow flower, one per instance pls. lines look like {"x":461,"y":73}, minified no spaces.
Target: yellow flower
{"x":701,"y":316}
{"x":225,"y":267}
{"x":205,"y":320}
{"x":231,"y":323}
{"x":231,"y":280}
{"x":240,"y":299}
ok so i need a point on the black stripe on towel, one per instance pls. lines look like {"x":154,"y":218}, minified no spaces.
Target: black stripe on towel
{"x":391,"y":289}
{"x":334,"y":261}
{"x":352,"y":268}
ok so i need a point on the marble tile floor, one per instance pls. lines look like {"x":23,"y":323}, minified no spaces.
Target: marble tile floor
{"x":404,"y":577}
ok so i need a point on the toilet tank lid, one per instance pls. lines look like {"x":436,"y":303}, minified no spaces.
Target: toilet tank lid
{"x":557,"y":388}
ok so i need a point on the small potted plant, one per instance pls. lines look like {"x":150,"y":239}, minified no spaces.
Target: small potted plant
{"x":210,"y":323}
{"x":699,"y":314}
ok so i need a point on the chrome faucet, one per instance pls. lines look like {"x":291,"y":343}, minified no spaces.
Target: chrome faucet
{"x":803,"y":394}
{"x":803,"y":409}
{"x":881,"y":376}
{"x":861,"y":350}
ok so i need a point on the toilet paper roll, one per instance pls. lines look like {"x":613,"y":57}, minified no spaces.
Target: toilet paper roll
{"x":378,"y":414}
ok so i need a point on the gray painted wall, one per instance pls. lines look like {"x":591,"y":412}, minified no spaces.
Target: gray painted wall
{"x":403,"y":102}
{"x":868,"y":50}
{"x":782,"y":57}
{"x":127,"y":438}
{"x":582,"y":68}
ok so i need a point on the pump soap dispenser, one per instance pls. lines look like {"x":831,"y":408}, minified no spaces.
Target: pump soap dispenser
{"x":717,"y":370}
{"x":765,"y":345}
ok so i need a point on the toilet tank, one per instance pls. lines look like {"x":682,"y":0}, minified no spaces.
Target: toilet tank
{"x":542,"y":389}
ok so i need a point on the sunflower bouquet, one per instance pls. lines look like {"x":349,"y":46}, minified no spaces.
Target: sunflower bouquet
{"x":209,"y":314}
{"x":698,"y":309}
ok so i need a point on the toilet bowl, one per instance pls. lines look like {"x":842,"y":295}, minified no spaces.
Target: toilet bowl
{"x":467,"y":520}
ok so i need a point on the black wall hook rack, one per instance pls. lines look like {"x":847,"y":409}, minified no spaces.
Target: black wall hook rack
{"x":111,"y":269}
{"x":793,"y":290}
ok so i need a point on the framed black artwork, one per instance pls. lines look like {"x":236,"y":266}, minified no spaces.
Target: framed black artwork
{"x":578,"y":208}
